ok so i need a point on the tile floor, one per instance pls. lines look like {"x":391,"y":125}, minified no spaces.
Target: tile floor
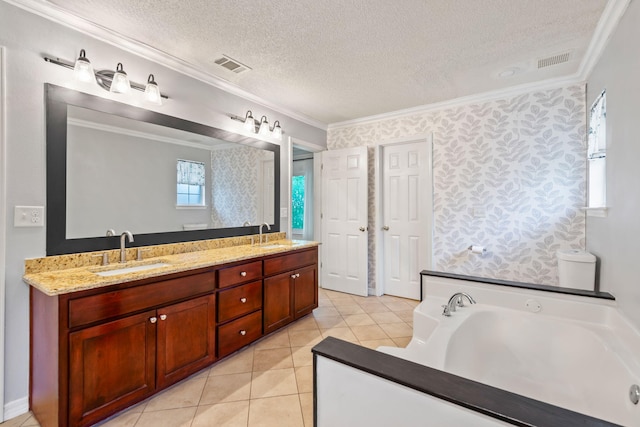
{"x":269,"y":383}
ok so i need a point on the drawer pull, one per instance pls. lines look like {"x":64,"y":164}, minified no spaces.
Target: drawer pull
{"x":243,"y":273}
{"x":243,"y":300}
{"x":153,"y":320}
{"x":243,"y":332}
{"x":297,"y":275}
{"x":163,"y":317}
{"x":293,"y":276}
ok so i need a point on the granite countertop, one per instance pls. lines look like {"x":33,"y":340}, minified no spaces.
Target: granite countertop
{"x":58,"y":282}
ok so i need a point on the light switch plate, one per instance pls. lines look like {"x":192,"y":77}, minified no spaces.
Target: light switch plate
{"x":284,"y":212}
{"x":28,"y":216}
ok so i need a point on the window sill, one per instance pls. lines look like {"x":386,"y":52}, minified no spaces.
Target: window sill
{"x":191,"y":206}
{"x":596,"y":212}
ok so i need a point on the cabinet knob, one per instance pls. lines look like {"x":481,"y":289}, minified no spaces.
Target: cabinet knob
{"x":243,"y":332}
{"x":293,"y":276}
{"x":243,"y":273}
{"x":153,"y":320}
{"x":163,"y":317}
{"x":243,"y":300}
{"x":297,"y":275}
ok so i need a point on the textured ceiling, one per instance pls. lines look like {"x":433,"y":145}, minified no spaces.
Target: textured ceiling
{"x":336,"y":60}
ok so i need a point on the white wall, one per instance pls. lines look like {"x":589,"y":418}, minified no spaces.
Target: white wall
{"x":27,"y":38}
{"x":615,"y":239}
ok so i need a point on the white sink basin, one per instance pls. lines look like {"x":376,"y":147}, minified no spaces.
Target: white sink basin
{"x":133,"y":269}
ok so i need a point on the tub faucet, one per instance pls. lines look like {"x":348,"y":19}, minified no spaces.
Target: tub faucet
{"x":262,"y":225}
{"x":123,"y":241}
{"x":456,"y":300}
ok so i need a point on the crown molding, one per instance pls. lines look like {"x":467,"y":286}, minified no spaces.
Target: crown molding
{"x":611,"y":15}
{"x":58,"y":15}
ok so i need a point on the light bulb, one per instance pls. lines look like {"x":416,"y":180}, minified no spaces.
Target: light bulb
{"x":264,"y":127}
{"x":120,"y":82}
{"x":152,"y":91}
{"x":249,"y":123}
{"x":277,"y":130}
{"x":83,"y":70}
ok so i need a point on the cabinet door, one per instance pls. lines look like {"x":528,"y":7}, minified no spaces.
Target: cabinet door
{"x":186,"y":338}
{"x":111,"y":366}
{"x":305,"y":291}
{"x":278,"y":301}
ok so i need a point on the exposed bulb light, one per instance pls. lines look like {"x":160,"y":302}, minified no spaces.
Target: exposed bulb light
{"x":83,"y":70}
{"x":277,"y":130}
{"x":120,"y":82}
{"x":249,"y":122}
{"x":152,"y":91}
{"x":264,"y":127}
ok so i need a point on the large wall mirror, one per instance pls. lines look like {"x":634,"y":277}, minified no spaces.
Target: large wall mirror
{"x":167,"y":180}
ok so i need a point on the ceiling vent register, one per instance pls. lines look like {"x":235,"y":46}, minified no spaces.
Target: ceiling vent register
{"x":232,"y":65}
{"x":554,"y":60}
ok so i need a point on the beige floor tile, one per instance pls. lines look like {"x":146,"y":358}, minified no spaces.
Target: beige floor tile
{"x":402,"y":341}
{"x":341,"y":302}
{"x":398,"y":306}
{"x":331,"y":322}
{"x":369,"y":332}
{"x":277,"y":382}
{"x":305,"y":338}
{"x":333,"y":295}
{"x":385,"y":317}
{"x":31,"y":422}
{"x":182,"y":395}
{"x":306,"y":323}
{"x":170,"y":418}
{"x":359,"y":320}
{"x":125,"y":419}
{"x":306,"y":403}
{"x":324,"y":302}
{"x":304,"y":379}
{"x":397,"y":330}
{"x":282,"y":411}
{"x":302,"y":356}
{"x":273,"y":358}
{"x":374,"y":307}
{"x":412,"y":302}
{"x":341,"y":333}
{"x":348,"y":309}
{"x":237,"y":363}
{"x":17,"y":421}
{"x":278,"y":339}
{"x":232,"y":414}
{"x":325,"y":311}
{"x":226,"y":388}
{"x":405,"y":315}
{"x":373,"y":344}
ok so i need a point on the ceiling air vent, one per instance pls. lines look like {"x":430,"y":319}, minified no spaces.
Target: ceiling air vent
{"x":231,"y":64}
{"x":554,"y":60}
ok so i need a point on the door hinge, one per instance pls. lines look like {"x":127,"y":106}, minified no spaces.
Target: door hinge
{"x":321,"y":215}
{"x":321,"y":166}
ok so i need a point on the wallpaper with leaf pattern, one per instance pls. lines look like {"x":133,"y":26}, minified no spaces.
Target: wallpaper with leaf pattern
{"x":507,"y":174}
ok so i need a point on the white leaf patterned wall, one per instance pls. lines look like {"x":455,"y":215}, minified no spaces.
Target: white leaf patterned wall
{"x":507,"y":174}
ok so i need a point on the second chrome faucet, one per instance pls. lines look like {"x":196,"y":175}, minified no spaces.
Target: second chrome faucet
{"x":123,"y":243}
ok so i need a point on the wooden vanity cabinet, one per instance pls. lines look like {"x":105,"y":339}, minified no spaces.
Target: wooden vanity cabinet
{"x":291,"y":291}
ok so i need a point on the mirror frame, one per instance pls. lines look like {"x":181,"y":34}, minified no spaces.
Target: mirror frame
{"x":57,"y":100}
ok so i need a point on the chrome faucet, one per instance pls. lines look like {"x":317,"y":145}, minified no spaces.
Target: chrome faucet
{"x":262,"y":225}
{"x":248,"y":224}
{"x":111,"y":232}
{"x":456,"y":300}
{"x":123,"y":241}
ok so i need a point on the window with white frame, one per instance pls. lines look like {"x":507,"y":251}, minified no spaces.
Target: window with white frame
{"x":597,"y":152}
{"x":191,"y":183}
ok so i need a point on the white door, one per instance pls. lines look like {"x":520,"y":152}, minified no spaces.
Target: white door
{"x":405,"y":226}
{"x":344,"y":220}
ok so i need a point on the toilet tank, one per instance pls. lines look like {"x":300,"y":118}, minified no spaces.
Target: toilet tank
{"x":576,"y":269}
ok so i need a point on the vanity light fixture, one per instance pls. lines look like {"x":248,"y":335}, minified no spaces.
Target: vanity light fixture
{"x":83,"y":70}
{"x":113,"y":81}
{"x":249,"y":122}
{"x":152,"y":91}
{"x":262,"y":128}
{"x":120,"y":82}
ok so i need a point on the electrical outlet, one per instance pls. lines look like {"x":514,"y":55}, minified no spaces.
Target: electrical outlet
{"x":284,"y":212}
{"x":28,"y":216}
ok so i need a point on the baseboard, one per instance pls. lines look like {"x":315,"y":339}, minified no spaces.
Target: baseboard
{"x":15,"y":408}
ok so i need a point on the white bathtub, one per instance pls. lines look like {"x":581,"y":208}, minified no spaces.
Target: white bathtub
{"x":577,"y":353}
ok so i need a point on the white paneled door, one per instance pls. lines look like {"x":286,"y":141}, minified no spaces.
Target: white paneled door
{"x":344,"y":220}
{"x":405,"y":216}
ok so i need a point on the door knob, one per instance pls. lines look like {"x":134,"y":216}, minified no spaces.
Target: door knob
{"x":163,"y":317}
{"x":362,"y":229}
{"x":153,"y":320}
{"x":385,"y":228}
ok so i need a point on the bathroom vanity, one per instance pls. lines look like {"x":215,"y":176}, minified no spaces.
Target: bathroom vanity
{"x":103,"y":343}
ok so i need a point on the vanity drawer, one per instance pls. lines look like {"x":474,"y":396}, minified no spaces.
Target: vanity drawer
{"x":290,"y":262}
{"x":238,"y":333}
{"x":239,"y":274}
{"x":86,"y":310}
{"x":240,"y":300}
